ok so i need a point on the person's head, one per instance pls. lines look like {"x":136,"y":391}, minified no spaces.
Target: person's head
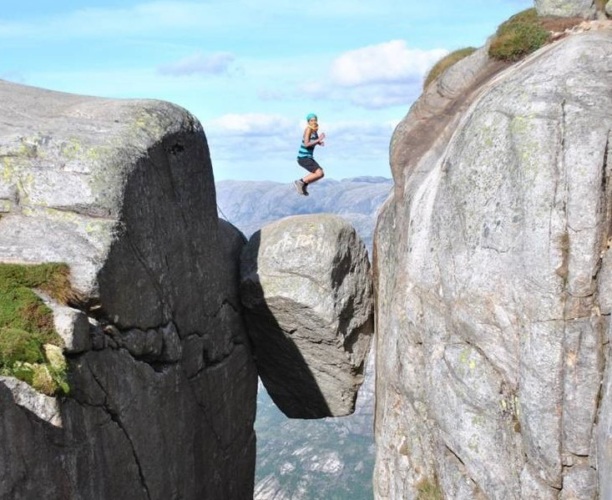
{"x":311,"y":118}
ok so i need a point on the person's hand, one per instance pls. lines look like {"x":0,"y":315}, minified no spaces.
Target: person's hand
{"x":321,"y":138}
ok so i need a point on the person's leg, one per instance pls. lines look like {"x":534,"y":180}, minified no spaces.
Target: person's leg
{"x":313,"y":176}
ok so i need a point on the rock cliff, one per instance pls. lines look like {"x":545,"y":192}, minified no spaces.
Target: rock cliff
{"x":162,"y":381}
{"x":493,"y":278}
{"x":161,"y":391}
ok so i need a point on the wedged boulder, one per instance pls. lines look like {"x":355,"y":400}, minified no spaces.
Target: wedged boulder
{"x":567,"y":8}
{"x":307,"y":291}
{"x":162,"y":381}
{"x":493,"y":289}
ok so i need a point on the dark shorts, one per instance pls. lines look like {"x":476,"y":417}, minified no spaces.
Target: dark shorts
{"x":309,"y":164}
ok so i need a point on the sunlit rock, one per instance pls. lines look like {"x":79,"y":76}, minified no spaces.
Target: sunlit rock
{"x":307,"y":290}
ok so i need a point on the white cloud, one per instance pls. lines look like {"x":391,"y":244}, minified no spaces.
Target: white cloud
{"x":389,"y":62}
{"x":251,"y":125}
{"x":198,"y":63}
{"x":375,"y":77}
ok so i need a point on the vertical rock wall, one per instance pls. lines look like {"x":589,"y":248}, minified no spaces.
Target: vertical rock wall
{"x":162,"y":398}
{"x":493,"y":284}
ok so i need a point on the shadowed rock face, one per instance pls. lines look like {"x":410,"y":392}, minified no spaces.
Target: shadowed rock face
{"x":493,"y":286}
{"x":306,"y":287}
{"x":163,"y":392}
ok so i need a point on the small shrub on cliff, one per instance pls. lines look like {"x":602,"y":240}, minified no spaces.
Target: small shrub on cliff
{"x":428,"y":489}
{"x":446,"y":62}
{"x":520,"y":35}
{"x":26,"y":324}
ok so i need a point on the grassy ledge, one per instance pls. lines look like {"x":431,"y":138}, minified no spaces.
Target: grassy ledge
{"x":446,"y":62}
{"x":520,"y":35}
{"x":30,"y":348}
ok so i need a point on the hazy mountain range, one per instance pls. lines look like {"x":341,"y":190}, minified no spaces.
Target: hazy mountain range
{"x":249,"y":205}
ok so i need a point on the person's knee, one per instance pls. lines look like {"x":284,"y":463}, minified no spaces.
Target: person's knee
{"x":320,"y":173}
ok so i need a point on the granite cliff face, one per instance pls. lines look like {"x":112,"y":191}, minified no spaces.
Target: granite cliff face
{"x":163,"y":385}
{"x":493,"y":277}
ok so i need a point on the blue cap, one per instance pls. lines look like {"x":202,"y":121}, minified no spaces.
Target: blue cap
{"x":310,"y":116}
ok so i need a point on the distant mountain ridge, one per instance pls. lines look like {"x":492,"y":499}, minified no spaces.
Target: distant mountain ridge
{"x":249,"y":205}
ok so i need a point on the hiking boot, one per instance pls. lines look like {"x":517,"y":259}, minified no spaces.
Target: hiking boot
{"x":300,"y":187}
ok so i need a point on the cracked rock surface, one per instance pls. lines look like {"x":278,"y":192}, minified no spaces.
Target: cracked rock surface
{"x":162,"y":381}
{"x":307,"y":291}
{"x":494,"y":283}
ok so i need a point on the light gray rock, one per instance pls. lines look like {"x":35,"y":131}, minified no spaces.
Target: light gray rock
{"x":566,"y":8}
{"x":71,"y":324}
{"x":122,"y":191}
{"x":307,"y":290}
{"x":493,"y":281}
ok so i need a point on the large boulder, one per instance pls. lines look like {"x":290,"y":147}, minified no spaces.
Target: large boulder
{"x":567,"y":8}
{"x":494,"y":280}
{"x":307,"y":291}
{"x":163,"y":386}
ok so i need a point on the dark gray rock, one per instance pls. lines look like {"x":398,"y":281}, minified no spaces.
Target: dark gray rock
{"x":163,"y":385}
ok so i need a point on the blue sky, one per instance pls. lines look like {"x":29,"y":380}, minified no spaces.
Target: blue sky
{"x":250,"y":70}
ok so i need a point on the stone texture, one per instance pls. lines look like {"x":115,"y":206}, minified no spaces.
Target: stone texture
{"x":493,"y":283}
{"x":163,"y":384}
{"x":566,"y":8}
{"x":72,"y":325}
{"x":307,"y":290}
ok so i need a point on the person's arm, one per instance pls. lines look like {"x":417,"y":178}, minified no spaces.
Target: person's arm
{"x":308,"y":142}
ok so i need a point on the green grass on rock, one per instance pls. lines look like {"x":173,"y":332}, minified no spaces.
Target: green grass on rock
{"x":520,"y":35}
{"x":27,"y":335}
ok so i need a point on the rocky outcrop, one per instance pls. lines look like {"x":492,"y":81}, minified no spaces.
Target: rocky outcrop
{"x":162,"y":381}
{"x":493,"y":280}
{"x":306,"y":288}
{"x":566,"y":8}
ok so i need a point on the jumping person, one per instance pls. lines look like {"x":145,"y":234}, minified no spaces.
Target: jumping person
{"x":305,"y":157}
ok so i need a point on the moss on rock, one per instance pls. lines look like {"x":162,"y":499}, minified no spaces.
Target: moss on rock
{"x":26,"y":324}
